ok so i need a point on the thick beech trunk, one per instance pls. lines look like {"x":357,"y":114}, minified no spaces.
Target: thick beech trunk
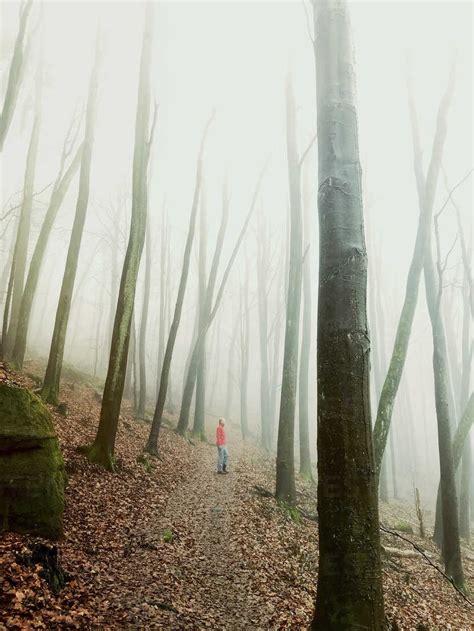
{"x":349,"y":593}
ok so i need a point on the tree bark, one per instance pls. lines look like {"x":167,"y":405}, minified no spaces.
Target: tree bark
{"x":230,"y":373}
{"x":102,"y":449}
{"x":152,"y":443}
{"x":349,"y":591}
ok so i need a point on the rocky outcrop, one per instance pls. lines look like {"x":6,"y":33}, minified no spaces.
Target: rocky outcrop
{"x":31,"y":466}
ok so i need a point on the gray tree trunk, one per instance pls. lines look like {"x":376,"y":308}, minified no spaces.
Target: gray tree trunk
{"x":349,"y":593}
{"x":285,"y":466}
{"x":22,"y":237}
{"x":60,"y":189}
{"x":15,"y":74}
{"x":244,"y":354}
{"x":305,"y":355}
{"x":143,"y":324}
{"x":152,"y":443}
{"x":50,"y":388}
{"x":402,"y":338}
{"x":102,"y":449}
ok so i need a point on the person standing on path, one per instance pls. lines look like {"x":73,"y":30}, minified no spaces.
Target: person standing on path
{"x":222,"y":454}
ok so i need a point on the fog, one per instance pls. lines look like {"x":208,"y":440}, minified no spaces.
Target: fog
{"x":233,"y":58}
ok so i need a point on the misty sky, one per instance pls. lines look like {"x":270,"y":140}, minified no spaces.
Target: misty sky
{"x":234,"y":57}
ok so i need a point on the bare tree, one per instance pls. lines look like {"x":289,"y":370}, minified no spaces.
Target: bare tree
{"x":102,"y":449}
{"x":50,"y":389}
{"x":400,"y":347}
{"x":244,"y":353}
{"x":15,"y":74}
{"x":143,"y":324}
{"x":23,"y":232}
{"x":192,"y":371}
{"x":349,"y":593}
{"x":152,"y":443}
{"x":60,"y":188}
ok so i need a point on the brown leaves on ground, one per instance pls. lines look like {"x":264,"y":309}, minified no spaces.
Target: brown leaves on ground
{"x":169,"y":544}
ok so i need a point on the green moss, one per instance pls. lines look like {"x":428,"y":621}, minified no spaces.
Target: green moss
{"x":31,"y":466}
{"x":404,"y":526}
{"x":168,"y":535}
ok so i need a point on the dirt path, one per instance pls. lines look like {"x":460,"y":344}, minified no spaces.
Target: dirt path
{"x":204,"y":564}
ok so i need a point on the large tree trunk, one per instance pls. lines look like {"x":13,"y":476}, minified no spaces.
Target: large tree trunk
{"x":143,"y":325}
{"x":22,"y":237}
{"x":152,"y":443}
{"x":349,"y":594}
{"x":305,"y":452}
{"x":60,"y":189}
{"x":102,"y":449}
{"x":400,"y":347}
{"x":285,"y":467}
{"x":15,"y":74}
{"x":50,"y":388}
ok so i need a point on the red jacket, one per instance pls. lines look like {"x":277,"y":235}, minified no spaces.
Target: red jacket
{"x":220,"y":436}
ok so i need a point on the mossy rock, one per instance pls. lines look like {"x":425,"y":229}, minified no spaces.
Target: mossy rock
{"x":31,"y":466}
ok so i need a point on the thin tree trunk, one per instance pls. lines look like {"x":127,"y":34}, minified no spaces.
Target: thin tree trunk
{"x":200,"y":343}
{"x":15,"y":74}
{"x":200,"y":404}
{"x":230,"y":372}
{"x":262,"y":278}
{"x":103,"y":447}
{"x":164,"y":279}
{"x":23,"y":232}
{"x":152,"y":443}
{"x":305,"y":452}
{"x":50,"y":388}
{"x":143,"y":324}
{"x":244,"y":354}
{"x":60,"y":189}
{"x":285,"y":467}
{"x":451,"y":546}
{"x":192,"y":371}
{"x":349,"y":593}
{"x":400,"y":348}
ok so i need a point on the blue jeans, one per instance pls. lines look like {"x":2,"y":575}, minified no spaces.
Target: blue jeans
{"x":222,"y":457}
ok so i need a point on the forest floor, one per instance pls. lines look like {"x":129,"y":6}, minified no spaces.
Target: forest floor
{"x":169,"y":544}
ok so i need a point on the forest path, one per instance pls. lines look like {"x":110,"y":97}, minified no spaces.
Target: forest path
{"x":208,"y":570}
